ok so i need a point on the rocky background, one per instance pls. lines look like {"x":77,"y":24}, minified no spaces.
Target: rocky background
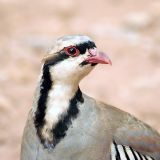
{"x":128,"y":30}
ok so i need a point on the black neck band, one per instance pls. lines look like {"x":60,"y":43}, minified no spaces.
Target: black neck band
{"x":59,"y":130}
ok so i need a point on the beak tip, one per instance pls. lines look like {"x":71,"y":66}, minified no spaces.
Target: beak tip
{"x":100,"y":58}
{"x":110,"y":62}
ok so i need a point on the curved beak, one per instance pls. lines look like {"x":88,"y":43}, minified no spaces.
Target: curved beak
{"x":97,"y":57}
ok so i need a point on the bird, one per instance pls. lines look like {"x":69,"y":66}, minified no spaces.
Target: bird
{"x":66,"y":124}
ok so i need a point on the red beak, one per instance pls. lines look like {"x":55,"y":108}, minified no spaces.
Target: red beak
{"x":97,"y":57}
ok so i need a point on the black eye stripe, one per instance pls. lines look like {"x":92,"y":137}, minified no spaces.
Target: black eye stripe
{"x":83,"y":46}
{"x":56,"y":59}
{"x":62,"y":55}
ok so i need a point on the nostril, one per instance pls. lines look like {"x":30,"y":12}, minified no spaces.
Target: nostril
{"x":93,"y":51}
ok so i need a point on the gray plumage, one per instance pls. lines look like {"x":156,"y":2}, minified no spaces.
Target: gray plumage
{"x":98,"y":131}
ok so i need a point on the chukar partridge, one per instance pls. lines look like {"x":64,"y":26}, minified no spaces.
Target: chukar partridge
{"x":66,"y":124}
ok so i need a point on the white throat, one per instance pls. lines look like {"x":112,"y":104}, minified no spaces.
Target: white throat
{"x":58,"y":102}
{"x":57,"y":105}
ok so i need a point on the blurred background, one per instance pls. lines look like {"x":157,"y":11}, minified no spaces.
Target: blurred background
{"x":128,"y":30}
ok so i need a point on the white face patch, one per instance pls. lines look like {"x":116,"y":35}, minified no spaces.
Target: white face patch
{"x":69,"y":70}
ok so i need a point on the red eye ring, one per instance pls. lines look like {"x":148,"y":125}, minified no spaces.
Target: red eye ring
{"x":71,"y":51}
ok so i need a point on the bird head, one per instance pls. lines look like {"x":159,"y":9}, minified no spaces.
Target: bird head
{"x":73,"y":57}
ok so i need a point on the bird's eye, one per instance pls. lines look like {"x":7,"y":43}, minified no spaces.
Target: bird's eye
{"x":71,"y":51}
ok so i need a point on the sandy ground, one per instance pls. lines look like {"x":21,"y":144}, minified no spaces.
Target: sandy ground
{"x":127,"y":30}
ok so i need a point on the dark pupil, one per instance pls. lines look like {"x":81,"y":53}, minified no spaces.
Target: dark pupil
{"x":72,"y":50}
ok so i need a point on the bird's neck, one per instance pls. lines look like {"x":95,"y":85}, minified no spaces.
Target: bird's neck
{"x":58,"y":100}
{"x":57,"y":104}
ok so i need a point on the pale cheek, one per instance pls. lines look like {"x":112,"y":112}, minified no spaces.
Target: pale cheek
{"x":70,"y":69}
